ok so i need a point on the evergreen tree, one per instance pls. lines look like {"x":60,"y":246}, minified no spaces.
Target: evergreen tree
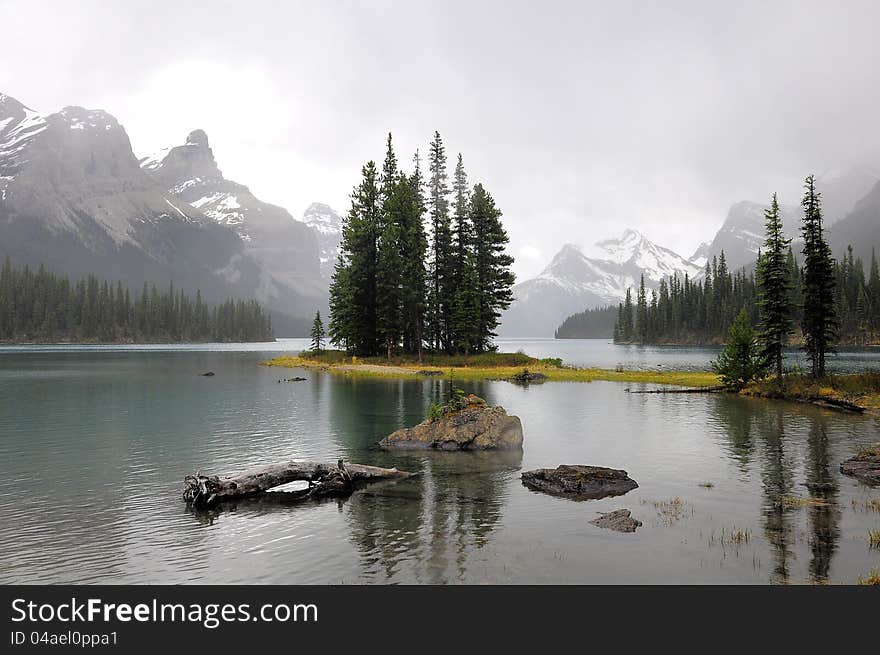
{"x":627,"y":330}
{"x":391,"y":283}
{"x":774,"y":290}
{"x":819,"y":321}
{"x":494,"y":277}
{"x":642,"y":313}
{"x":353,"y":292}
{"x":465,"y":302}
{"x":441,"y":292}
{"x":740,"y":361}
{"x":317,"y":334}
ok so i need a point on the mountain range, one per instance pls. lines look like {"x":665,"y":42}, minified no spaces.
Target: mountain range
{"x":74,"y":197}
{"x":573,"y":282}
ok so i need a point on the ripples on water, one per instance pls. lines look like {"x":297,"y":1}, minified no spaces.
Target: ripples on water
{"x":94,"y":445}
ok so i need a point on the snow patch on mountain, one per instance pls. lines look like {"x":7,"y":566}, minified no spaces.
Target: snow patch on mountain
{"x":327,"y":223}
{"x":573,"y":281}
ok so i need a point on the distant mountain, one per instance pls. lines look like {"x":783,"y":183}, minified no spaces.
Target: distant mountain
{"x":286,"y":249}
{"x":327,"y":224}
{"x":742,"y":233}
{"x":573,"y":282}
{"x":861,"y":228}
{"x":701,"y":254}
{"x":73,"y":197}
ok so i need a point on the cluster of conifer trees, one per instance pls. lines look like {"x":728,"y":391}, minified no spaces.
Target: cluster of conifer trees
{"x":399,"y":287}
{"x":42,"y":306}
{"x":828,"y":300}
{"x":597,"y":323}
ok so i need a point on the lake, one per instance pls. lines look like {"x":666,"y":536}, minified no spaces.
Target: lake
{"x":95,"y":442}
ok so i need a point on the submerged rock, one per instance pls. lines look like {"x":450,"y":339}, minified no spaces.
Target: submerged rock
{"x":526,"y":377}
{"x":476,"y":427}
{"x":580,"y":482}
{"x":619,"y":520}
{"x":865,"y":466}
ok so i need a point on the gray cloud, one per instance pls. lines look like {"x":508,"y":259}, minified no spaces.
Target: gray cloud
{"x":582,"y":118}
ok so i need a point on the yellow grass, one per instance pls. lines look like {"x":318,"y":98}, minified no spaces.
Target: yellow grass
{"x":407,"y":370}
{"x":793,"y":501}
{"x":873,"y":578}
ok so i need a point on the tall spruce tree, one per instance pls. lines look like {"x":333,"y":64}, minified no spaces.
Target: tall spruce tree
{"x":642,"y":313}
{"x":774,"y":289}
{"x":353,"y":292}
{"x":317,"y":334}
{"x":465,"y":303}
{"x":442,"y":280}
{"x":819,"y":321}
{"x":414,"y":247}
{"x":494,"y":277}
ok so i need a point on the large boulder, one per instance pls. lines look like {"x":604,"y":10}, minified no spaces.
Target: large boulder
{"x":476,"y":427}
{"x":580,"y":482}
{"x":865,"y":466}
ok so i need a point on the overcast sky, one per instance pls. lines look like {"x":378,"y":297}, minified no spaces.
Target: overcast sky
{"x":582,"y":118}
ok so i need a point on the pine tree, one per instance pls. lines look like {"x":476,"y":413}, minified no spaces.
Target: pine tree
{"x":414,"y":247}
{"x":774,"y":290}
{"x":441,"y":292}
{"x":627,"y":330}
{"x":317,"y":334}
{"x":642,"y":313}
{"x":353,"y":292}
{"x":819,"y":322}
{"x":740,"y":361}
{"x":465,"y":304}
{"x":492,"y":264}
{"x":390,"y":280}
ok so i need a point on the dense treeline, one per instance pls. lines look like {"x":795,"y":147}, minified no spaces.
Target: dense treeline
{"x":700,"y":311}
{"x":842,"y":295}
{"x":399,"y":288}
{"x":595,"y":323}
{"x":42,"y":306}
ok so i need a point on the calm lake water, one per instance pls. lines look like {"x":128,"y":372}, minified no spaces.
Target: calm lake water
{"x":95,"y":441}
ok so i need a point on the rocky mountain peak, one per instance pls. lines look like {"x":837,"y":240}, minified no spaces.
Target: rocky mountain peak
{"x":194,"y":160}
{"x":198,"y":138}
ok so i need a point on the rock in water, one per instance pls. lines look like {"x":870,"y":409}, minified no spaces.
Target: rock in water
{"x":476,"y":427}
{"x":619,"y":520}
{"x":865,"y":466}
{"x":580,"y":482}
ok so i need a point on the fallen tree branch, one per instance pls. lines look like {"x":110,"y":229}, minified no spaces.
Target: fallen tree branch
{"x":324,"y":480}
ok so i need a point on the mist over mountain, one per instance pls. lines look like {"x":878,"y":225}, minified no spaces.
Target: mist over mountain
{"x":286,"y":249}
{"x":74,"y":197}
{"x":861,"y":228}
{"x":742,"y":233}
{"x":327,"y":225}
{"x":573,"y":282}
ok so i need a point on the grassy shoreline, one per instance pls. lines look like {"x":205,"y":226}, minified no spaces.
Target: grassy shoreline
{"x":862,"y":390}
{"x":490,"y":366}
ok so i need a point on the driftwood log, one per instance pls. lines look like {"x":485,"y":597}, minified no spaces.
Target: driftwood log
{"x":324,"y":480}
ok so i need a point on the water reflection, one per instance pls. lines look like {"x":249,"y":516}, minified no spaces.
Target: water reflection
{"x":776,"y":432}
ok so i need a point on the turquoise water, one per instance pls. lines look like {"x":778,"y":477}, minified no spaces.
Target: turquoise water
{"x":94,"y":444}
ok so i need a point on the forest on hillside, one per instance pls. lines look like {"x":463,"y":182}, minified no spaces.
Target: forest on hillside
{"x":39,"y":306}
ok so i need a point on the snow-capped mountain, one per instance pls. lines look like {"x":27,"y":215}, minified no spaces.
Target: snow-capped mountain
{"x":327,"y":224}
{"x":701,"y":254}
{"x":742,"y":234}
{"x":573,"y":282}
{"x":286,"y":249}
{"x":73,"y":197}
